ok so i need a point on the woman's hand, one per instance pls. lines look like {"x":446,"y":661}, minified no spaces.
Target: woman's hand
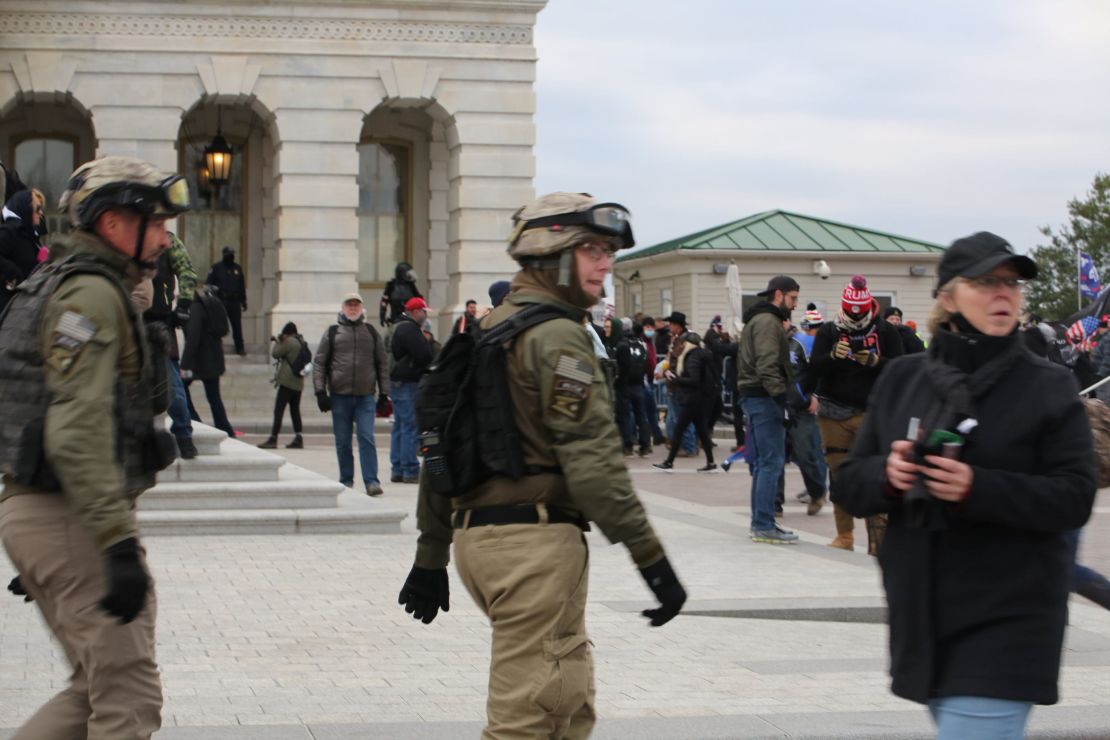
{"x":901,"y":471}
{"x":948,"y":480}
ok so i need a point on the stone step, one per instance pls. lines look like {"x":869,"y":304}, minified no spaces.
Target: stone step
{"x":342,"y":520}
{"x":291,"y":490}
{"x":235,"y":467}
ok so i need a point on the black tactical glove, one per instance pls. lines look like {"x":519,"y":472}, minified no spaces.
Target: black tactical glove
{"x":663,"y":582}
{"x":16,"y":587}
{"x":181,"y":313}
{"x":323,"y":401}
{"x":128,"y":581}
{"x":425,"y":592}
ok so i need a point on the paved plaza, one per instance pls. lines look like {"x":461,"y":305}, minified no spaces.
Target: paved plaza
{"x":300,"y":636}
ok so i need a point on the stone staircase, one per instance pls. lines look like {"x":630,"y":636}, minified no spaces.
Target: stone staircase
{"x":235,"y":488}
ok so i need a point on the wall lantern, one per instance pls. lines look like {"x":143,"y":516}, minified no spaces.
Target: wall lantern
{"x":217,"y":157}
{"x":917,"y":270}
{"x":720,"y":268}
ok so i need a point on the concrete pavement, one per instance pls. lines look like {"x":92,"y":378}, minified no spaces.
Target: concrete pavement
{"x":301,"y":637}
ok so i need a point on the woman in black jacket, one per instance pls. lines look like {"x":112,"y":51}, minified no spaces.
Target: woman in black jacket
{"x":19,"y":241}
{"x":982,"y":477}
{"x":694,"y":385}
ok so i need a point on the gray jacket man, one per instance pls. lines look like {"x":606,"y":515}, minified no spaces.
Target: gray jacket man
{"x":350,"y":367}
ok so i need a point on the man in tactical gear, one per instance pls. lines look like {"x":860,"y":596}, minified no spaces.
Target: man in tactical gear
{"x":519,"y":544}
{"x":79,"y":385}
{"x":398,"y":291}
{"x":227,"y":277}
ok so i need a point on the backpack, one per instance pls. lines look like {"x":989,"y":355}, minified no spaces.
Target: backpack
{"x":464,"y":411}
{"x":301,"y":364}
{"x":218,"y":325}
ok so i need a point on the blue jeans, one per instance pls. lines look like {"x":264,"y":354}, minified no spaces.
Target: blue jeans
{"x":766,"y":452}
{"x":652,"y":415}
{"x":979,"y":718}
{"x":1086,"y":582}
{"x":633,"y":417}
{"x":180,"y":423}
{"x":402,"y":447}
{"x":688,"y":443}
{"x":805,"y":438}
{"x":346,"y":411}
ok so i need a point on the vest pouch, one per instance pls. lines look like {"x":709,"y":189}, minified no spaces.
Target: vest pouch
{"x":31,"y":467}
{"x":159,"y":450}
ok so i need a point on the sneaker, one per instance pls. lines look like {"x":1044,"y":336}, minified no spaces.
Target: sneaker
{"x":374,"y":489}
{"x":726,"y":465}
{"x":269,"y":444}
{"x":411,"y":479}
{"x":186,"y":448}
{"x":665,"y":465}
{"x":645,"y":452}
{"x":803,"y":497}
{"x":708,"y":468}
{"x":774,"y":536}
{"x":395,"y":478}
{"x":296,"y":444}
{"x":814,"y":506}
{"x":628,"y":452}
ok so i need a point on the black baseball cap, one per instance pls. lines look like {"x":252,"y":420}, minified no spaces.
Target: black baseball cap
{"x":977,"y":255}
{"x":785,"y":283}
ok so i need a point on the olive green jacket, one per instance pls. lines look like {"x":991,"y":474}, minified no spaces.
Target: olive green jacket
{"x":80,"y":427}
{"x":285,"y":352}
{"x":564,"y":414}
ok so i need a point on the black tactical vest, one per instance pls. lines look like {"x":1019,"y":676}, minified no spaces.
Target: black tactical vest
{"x":24,"y":397}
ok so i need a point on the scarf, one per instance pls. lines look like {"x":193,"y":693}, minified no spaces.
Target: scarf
{"x":961,"y":365}
{"x":682,"y":358}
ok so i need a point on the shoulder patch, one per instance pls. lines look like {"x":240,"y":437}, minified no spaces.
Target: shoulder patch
{"x":572,"y":382}
{"x":73,"y":331}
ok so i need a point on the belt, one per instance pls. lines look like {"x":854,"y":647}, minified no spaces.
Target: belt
{"x":520,"y":514}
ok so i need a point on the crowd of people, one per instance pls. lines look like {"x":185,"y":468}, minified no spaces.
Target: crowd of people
{"x":972,"y":491}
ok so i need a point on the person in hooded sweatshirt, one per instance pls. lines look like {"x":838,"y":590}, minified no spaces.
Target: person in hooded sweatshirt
{"x":848,"y":355}
{"x":19,"y":241}
{"x":980,"y":454}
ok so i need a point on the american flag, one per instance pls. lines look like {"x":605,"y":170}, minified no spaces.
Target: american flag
{"x":1081,"y":330}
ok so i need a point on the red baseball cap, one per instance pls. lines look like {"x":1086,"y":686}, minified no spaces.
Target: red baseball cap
{"x":416,"y":304}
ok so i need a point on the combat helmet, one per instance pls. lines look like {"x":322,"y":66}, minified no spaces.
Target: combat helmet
{"x":558,"y":221}
{"x":121,"y":182}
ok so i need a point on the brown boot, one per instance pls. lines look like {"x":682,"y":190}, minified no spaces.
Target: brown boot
{"x":844,"y":540}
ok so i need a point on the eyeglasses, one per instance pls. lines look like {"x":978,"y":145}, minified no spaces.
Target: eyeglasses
{"x":596,"y":252}
{"x":993,"y":282}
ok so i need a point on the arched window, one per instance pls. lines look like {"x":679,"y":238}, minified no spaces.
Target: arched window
{"x":384,"y":209}
{"x":46,"y":164}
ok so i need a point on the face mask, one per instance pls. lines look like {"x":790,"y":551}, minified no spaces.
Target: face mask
{"x":649,"y":333}
{"x":229,"y":259}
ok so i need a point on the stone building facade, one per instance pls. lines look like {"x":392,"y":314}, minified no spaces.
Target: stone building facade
{"x":363,"y":132}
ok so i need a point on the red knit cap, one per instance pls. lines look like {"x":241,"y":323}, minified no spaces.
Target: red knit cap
{"x":856,"y":298}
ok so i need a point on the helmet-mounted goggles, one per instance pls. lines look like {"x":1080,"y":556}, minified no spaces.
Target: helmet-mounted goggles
{"x":169,"y":198}
{"x":607,"y":219}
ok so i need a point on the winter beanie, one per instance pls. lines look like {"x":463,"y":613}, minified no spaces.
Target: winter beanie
{"x":716,"y":320}
{"x":855,"y":301}
{"x":812,"y":318}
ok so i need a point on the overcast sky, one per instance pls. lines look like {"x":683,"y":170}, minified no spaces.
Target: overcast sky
{"x":927,"y":119}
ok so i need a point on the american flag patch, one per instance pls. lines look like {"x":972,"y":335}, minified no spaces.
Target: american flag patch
{"x":574,"y":369}
{"x":76,"y":327}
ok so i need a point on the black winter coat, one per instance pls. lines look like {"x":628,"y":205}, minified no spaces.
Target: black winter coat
{"x":19,"y":245}
{"x":846,"y":380}
{"x":978,"y":606}
{"x":204,"y":352}
{"x":697,"y":384}
{"x":412,"y":352}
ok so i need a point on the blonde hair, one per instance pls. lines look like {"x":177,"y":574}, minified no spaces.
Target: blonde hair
{"x":37,"y":198}
{"x":940,"y":315}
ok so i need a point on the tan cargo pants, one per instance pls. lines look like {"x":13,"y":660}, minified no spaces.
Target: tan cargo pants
{"x":531,"y":580}
{"x":837,"y":438}
{"x":115,"y":692}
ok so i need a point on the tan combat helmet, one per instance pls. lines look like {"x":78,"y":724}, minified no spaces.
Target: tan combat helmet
{"x":121,"y":182}
{"x":558,"y":221}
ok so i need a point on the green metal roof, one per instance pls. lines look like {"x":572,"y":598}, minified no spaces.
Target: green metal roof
{"x":782,"y":231}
